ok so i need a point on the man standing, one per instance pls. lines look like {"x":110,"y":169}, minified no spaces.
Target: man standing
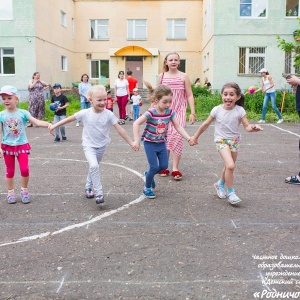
{"x":295,"y":81}
{"x":133,"y":84}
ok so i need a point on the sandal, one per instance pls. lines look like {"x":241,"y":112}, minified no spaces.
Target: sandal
{"x":164,"y":173}
{"x":121,"y":122}
{"x":176,"y":175}
{"x":292,"y":180}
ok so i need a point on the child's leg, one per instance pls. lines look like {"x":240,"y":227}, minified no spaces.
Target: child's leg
{"x":23,"y":160}
{"x":94,"y":156}
{"x":162,"y":156}
{"x":151,"y":154}
{"x":56,"y":120}
{"x":63,"y":127}
{"x":9,"y":161}
{"x":229,"y":159}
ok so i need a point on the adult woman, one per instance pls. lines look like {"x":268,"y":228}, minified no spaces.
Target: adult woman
{"x":180,"y":85}
{"x":83,"y":88}
{"x":36,"y":101}
{"x":121,"y":94}
{"x":267,"y":88}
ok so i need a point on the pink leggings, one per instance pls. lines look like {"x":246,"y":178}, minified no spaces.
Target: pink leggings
{"x":122,"y":102}
{"x":10,"y":164}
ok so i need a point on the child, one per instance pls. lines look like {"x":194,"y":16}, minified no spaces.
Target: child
{"x":154,"y":136}
{"x":136,"y":102}
{"x":14,"y":141}
{"x":61,"y":111}
{"x":228,"y":117}
{"x":109,"y":101}
{"x":95,"y":136}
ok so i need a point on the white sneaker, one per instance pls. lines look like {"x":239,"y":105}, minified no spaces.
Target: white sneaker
{"x":279,"y":121}
{"x":77,"y":124}
{"x":261,"y":121}
{"x":220,"y":191}
{"x":233,"y":198}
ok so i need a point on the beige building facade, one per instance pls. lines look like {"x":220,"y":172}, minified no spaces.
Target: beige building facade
{"x":65,"y":39}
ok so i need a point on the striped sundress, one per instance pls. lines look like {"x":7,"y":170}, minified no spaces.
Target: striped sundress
{"x":179,"y":105}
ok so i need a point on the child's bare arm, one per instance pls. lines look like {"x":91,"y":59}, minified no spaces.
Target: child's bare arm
{"x":250,"y":127}
{"x":202,"y":128}
{"x":61,"y":122}
{"x":39,"y":123}
{"x":136,"y":130}
{"x":124,"y":135}
{"x":180,"y":129}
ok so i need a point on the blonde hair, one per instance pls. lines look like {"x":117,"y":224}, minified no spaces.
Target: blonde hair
{"x":94,"y":89}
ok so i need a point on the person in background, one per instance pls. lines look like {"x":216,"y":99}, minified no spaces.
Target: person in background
{"x":36,"y":100}
{"x":180,"y":85}
{"x":207,"y":84}
{"x":121,"y":94}
{"x":295,"y":82}
{"x":136,"y":103}
{"x":197,"y":82}
{"x":267,"y":88}
{"x":61,"y":102}
{"x":133,"y":84}
{"x":109,"y":101}
{"x":83,"y":88}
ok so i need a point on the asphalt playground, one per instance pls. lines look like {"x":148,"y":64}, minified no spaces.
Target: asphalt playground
{"x":185,"y":244}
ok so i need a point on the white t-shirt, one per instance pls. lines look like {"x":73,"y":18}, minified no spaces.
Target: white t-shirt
{"x":121,"y":86}
{"x":96,"y":126}
{"x":227,"y":122}
{"x":136,"y":99}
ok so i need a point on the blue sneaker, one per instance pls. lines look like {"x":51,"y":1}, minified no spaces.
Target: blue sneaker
{"x":25,"y":197}
{"x":148,"y":193}
{"x":221,"y":191}
{"x":153,"y":185}
{"x":11,"y":198}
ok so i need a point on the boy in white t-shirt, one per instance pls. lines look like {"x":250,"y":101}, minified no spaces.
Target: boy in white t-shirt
{"x":97,"y":122}
{"x":136,"y":103}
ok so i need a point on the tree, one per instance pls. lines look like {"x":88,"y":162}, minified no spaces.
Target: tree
{"x":292,"y":47}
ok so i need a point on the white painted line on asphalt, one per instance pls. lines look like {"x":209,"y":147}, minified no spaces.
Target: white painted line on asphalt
{"x":233,"y":224}
{"x":79,"y":225}
{"x":288,"y":131}
{"x":61,"y":284}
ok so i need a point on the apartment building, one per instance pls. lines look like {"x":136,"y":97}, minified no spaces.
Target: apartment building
{"x":222,"y":40}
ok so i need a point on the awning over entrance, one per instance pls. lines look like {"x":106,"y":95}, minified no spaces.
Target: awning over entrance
{"x":133,"y":51}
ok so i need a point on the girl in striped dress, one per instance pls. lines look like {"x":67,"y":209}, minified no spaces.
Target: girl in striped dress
{"x":180,"y":85}
{"x":157,"y":120}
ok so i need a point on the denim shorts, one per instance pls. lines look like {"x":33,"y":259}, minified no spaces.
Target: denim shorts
{"x":233,"y":145}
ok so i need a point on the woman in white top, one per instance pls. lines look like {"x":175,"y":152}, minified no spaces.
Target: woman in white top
{"x":83,"y":88}
{"x":121,"y":94}
{"x":267,"y":88}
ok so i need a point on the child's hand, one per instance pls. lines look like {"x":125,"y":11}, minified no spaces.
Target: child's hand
{"x":256,"y":128}
{"x":51,"y":129}
{"x":136,"y":146}
{"x":1,"y":153}
{"x":193,"y":141}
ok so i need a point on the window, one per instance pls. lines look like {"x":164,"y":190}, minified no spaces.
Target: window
{"x":251,"y":60}
{"x":176,"y":29}
{"x":288,"y":63}
{"x":99,"y":69}
{"x":64,"y":63}
{"x":99,"y":30}
{"x":253,"y":8}
{"x":292,"y":8}
{"x":7,"y":61}
{"x":63,"y":18}
{"x":182,"y":66}
{"x":136,"y":29}
{"x":6,"y":10}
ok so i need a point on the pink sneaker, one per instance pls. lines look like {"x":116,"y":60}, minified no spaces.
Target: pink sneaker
{"x":89,"y":193}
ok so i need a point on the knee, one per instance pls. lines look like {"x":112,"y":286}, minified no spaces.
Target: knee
{"x":230,"y":167}
{"x":94,"y":167}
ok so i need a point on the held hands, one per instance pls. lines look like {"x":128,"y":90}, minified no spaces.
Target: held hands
{"x":193,"y":141}
{"x":135,"y":145}
{"x":51,"y":128}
